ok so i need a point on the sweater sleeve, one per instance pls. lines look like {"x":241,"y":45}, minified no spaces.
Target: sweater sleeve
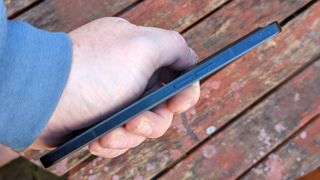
{"x":34,"y":67}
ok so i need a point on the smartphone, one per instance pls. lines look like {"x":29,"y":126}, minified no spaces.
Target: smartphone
{"x":207,"y":67}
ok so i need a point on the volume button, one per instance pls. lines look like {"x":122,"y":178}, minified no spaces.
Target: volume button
{"x":183,"y":81}
{"x":203,"y":70}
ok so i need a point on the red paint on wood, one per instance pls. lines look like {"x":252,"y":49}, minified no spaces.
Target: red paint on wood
{"x":258,"y":77}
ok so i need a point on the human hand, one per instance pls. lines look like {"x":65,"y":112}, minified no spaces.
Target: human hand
{"x":114,"y":62}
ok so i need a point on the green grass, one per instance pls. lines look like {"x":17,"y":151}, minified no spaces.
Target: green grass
{"x":24,"y":170}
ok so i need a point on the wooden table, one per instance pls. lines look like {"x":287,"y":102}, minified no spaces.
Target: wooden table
{"x":256,"y":119}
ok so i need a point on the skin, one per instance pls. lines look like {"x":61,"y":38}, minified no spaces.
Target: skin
{"x":114,"y":62}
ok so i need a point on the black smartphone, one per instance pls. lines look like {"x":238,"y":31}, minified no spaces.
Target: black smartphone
{"x":207,"y":67}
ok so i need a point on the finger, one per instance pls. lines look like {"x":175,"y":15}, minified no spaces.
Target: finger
{"x":97,"y":150}
{"x":151,"y":124}
{"x":154,"y":79}
{"x":185,"y":99}
{"x":172,"y":47}
{"x":120,"y":138}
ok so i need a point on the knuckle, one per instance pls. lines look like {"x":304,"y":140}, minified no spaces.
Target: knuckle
{"x":117,"y":23}
{"x":178,"y":38}
{"x":119,"y":20}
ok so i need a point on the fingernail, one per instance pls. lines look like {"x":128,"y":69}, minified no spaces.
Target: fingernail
{"x":95,"y":149}
{"x":144,"y":127}
{"x":196,"y":87}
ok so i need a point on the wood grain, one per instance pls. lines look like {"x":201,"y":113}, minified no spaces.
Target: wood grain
{"x":66,"y":15}
{"x":227,"y":93}
{"x":258,"y":132}
{"x":171,"y":14}
{"x":311,"y":176}
{"x":296,"y":158}
{"x":14,"y":6}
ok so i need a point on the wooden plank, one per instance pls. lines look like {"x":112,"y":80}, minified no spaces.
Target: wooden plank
{"x":14,"y":6}
{"x":257,"y":133}
{"x":311,"y":176}
{"x":249,"y":78}
{"x":63,"y":166}
{"x":66,"y":15}
{"x":299,"y":156}
{"x":171,"y":14}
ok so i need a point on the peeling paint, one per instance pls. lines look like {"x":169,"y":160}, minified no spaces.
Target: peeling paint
{"x":235,"y":86}
{"x":298,"y":159}
{"x":261,"y":153}
{"x":106,"y":169}
{"x":280,"y":127}
{"x":215,"y":85}
{"x":264,"y":137}
{"x":93,"y":177}
{"x":150,"y":167}
{"x":303,"y":135}
{"x":296,"y":97}
{"x":275,"y":167}
{"x":115,"y":177}
{"x":193,"y":111}
{"x":211,"y":130}
{"x":138,"y":178}
{"x":209,"y":151}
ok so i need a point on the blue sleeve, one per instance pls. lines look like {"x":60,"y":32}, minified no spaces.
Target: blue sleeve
{"x":34,"y":68}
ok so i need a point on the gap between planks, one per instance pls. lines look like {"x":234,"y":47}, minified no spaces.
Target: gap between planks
{"x":136,"y":3}
{"x":258,"y":96}
{"x":125,"y":10}
{"x":128,"y":8}
{"x":25,"y":9}
{"x":290,"y":137}
{"x":205,"y":16}
{"x":264,"y":96}
{"x":233,"y":120}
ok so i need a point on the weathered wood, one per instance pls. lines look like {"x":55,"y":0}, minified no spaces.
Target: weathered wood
{"x":66,"y":15}
{"x":14,"y":6}
{"x":182,"y":14}
{"x":297,"y":157}
{"x":227,"y":93}
{"x":171,"y":14}
{"x":311,"y":176}
{"x":62,"y":167}
{"x":258,"y":132}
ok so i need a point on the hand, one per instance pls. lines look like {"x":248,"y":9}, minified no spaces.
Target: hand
{"x":114,"y":62}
